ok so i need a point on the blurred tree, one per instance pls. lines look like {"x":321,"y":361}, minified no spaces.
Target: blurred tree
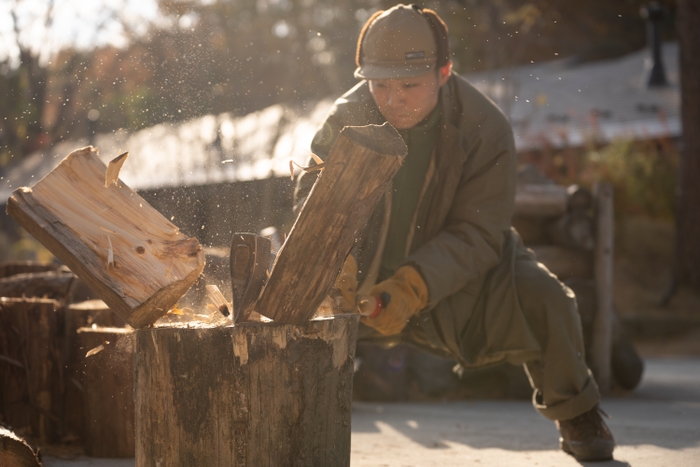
{"x":688,"y":213}
{"x":41,"y":81}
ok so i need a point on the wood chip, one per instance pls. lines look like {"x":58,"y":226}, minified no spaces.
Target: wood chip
{"x":115,"y":165}
{"x":96,"y":350}
{"x":219,"y":300}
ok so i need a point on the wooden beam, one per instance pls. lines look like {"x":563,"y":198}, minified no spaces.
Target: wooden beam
{"x":537,"y":200}
{"x":133,"y":258}
{"x":357,"y":172}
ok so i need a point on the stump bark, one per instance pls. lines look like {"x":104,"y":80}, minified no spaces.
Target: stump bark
{"x":30,"y":368}
{"x":108,"y":384}
{"x":255,"y":395}
{"x":133,"y":258}
{"x":357,"y":172}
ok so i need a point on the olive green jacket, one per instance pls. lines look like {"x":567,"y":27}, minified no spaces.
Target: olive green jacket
{"x":461,"y":242}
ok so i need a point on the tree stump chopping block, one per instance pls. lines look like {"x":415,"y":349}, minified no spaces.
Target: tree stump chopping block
{"x":133,"y":258}
{"x":357,"y":172}
{"x":258,"y":394}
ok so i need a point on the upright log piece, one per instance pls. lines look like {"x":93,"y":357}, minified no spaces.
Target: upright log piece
{"x":358,"y":171}
{"x":15,"y":452}
{"x":601,"y":345}
{"x":133,"y":258}
{"x":30,"y":366}
{"x":108,"y":383}
{"x":253,"y":395}
{"x":88,"y":313}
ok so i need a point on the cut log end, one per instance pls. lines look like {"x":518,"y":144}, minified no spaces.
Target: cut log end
{"x":15,"y":452}
{"x":382,"y":139}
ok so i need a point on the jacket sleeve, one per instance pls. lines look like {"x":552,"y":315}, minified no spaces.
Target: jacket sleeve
{"x":471,"y":240}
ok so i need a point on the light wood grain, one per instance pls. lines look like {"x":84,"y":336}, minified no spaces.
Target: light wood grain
{"x":85,"y":224}
{"x":358,"y":171}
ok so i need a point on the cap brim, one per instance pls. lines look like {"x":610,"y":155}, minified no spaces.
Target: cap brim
{"x":369,"y":71}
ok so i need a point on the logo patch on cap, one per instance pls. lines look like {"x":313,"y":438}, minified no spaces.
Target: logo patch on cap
{"x":410,"y":55}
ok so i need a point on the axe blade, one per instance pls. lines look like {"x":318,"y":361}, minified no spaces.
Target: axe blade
{"x":250,"y":257}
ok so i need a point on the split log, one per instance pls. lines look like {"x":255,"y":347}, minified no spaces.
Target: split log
{"x":541,"y":200}
{"x":133,"y":258}
{"x":10,"y":268}
{"x":357,"y":172}
{"x":565,"y":262}
{"x":30,"y":366}
{"x":253,"y":395}
{"x":108,"y":383}
{"x":15,"y":452}
{"x":51,"y":284}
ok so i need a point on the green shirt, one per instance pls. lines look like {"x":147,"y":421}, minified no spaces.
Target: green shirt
{"x":407,"y":185}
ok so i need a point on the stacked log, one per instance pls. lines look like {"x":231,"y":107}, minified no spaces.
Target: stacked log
{"x":31,"y":366}
{"x":558,"y":224}
{"x":570,"y":229}
{"x":42,"y":393}
{"x":107,"y":376}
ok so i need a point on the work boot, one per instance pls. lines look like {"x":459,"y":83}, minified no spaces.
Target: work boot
{"x":586,"y":437}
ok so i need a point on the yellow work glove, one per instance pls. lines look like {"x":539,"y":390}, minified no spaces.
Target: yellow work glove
{"x":403,"y":295}
{"x":346,"y":284}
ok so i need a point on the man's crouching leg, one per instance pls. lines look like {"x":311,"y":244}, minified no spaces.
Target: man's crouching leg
{"x":564,"y":388}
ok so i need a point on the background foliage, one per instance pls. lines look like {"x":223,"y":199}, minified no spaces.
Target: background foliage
{"x":211,"y":56}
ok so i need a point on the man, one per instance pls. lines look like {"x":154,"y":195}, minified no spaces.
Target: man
{"x":454,"y":276}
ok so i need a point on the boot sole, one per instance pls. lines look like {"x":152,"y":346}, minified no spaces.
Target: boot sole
{"x":598,"y":450}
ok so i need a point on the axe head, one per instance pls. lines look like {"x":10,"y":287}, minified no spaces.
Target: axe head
{"x":250,"y":257}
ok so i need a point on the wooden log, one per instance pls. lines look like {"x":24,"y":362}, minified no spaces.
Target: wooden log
{"x":133,"y":258}
{"x":579,"y":198}
{"x":10,"y":268}
{"x":536,"y":200}
{"x":601,"y":345}
{"x":358,"y":172}
{"x":565,"y":262}
{"x":49,"y":284}
{"x":78,"y":315}
{"x":15,"y":452}
{"x":30,"y":367}
{"x":108,"y":383}
{"x":255,"y":395}
{"x":574,"y":229}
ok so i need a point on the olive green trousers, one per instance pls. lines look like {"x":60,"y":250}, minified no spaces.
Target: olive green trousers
{"x":562,"y":383}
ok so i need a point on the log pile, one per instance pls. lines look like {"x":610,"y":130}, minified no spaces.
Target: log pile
{"x":254,"y":394}
{"x":570,"y":229}
{"x":42,"y":385}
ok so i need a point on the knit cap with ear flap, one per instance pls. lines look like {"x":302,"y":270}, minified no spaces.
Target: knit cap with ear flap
{"x":398,"y":43}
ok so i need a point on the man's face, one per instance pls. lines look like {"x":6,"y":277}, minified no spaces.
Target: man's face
{"x":406,"y":101}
